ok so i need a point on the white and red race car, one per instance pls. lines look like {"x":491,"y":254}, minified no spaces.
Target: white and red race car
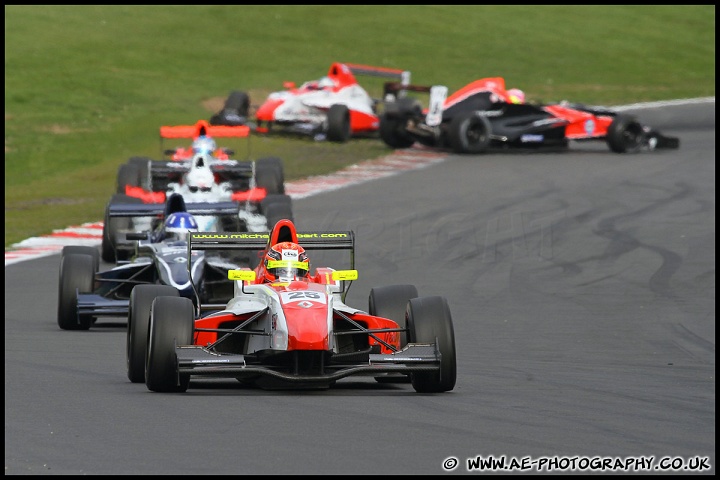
{"x":293,"y":331}
{"x":207,"y":176}
{"x":334,"y":107}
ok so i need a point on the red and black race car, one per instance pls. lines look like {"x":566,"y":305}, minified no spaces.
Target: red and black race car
{"x":483,"y":115}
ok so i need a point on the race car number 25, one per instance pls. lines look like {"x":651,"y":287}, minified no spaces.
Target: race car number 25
{"x":289,"y":297}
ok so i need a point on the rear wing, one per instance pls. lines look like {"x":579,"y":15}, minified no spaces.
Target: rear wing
{"x":399,"y":79}
{"x":319,"y":240}
{"x":436,"y":103}
{"x":152,"y":209}
{"x":202,"y":127}
{"x":344,"y":240}
{"x":401,"y":75}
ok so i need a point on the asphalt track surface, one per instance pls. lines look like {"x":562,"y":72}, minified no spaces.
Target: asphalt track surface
{"x":582,"y":290}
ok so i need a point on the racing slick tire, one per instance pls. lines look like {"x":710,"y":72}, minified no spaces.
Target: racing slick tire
{"x":469,"y":133}
{"x":391,"y":302}
{"x":172,"y":321}
{"x":92,"y":251}
{"x":77,"y":275}
{"x":235,"y":110}
{"x":128,"y":174}
{"x":265,"y":169}
{"x":392,"y":132}
{"x":625,"y":134}
{"x":429,"y":321}
{"x":276,"y":207}
{"x":266,"y":177}
{"x":403,"y":107}
{"x":138,"y":326}
{"x":143,"y":167}
{"x":112,"y":228}
{"x":238,"y":102}
{"x":338,"y":122}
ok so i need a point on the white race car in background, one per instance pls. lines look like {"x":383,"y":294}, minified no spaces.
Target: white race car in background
{"x":334,"y":107}
{"x":258,"y":186}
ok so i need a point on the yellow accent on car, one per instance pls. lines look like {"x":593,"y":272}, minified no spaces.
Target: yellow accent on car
{"x":345,"y":275}
{"x":287,"y":264}
{"x":244,"y":275}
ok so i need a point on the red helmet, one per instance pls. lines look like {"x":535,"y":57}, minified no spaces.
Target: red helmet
{"x":286,"y":261}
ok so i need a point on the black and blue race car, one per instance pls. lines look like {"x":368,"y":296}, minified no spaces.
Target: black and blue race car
{"x":86,"y":292}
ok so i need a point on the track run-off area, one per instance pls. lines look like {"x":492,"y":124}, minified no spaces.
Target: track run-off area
{"x":90,"y":233}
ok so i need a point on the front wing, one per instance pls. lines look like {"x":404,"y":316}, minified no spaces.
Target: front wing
{"x":415,"y":357}
{"x":98,"y":306}
{"x":130,"y":210}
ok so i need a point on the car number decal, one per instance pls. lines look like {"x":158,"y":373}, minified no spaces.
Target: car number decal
{"x":290,"y":297}
{"x":589,"y":126}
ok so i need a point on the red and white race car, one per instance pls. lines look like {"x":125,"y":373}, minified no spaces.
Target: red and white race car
{"x":202,"y":165}
{"x":334,"y":107}
{"x":293,"y":329}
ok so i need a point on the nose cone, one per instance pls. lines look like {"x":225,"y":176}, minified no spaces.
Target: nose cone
{"x":200,"y":177}
{"x":306,"y":313}
{"x":307,"y":327}
{"x":266,"y":112}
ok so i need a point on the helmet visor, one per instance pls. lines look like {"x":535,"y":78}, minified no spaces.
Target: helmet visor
{"x":287,"y":269}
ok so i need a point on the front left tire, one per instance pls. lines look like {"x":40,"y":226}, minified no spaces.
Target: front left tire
{"x":429,"y":321}
{"x":391,"y":302}
{"x":338,"y":121}
{"x":112,"y":228}
{"x":392,"y":132}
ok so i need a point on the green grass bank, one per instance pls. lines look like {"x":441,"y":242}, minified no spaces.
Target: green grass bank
{"x":87,"y":87}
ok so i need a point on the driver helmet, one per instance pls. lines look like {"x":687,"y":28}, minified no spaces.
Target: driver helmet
{"x":203,"y":144}
{"x":515,"y":95}
{"x":177,"y":225}
{"x":326,"y":82}
{"x":286,"y":261}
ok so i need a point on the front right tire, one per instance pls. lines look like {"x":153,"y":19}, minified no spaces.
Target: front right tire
{"x":112,"y":228}
{"x":172,"y":322}
{"x":143,"y":166}
{"x":77,"y":275}
{"x":138,"y":326}
{"x":625,"y":134}
{"x":128,"y":175}
{"x":85,"y":250}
